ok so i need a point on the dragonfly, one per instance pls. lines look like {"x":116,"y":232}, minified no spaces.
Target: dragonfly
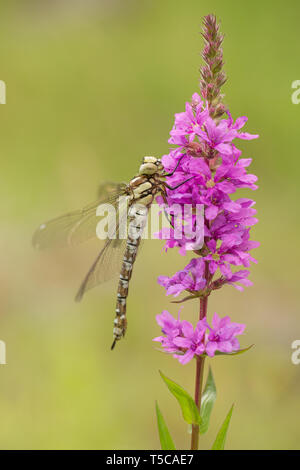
{"x":131,"y":203}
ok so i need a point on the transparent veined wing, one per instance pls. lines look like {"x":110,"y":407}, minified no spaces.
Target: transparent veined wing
{"x":110,"y":187}
{"x":108,"y":261}
{"x":80,"y":225}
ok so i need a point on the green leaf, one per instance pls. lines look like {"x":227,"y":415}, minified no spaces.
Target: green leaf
{"x":235,"y":353}
{"x":188,"y":406}
{"x":221,"y":436}
{"x":165,"y":438}
{"x":207,"y":402}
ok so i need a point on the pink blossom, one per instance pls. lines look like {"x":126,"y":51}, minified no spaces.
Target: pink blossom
{"x":191,"y":278}
{"x":191,"y":341}
{"x":170,"y":328}
{"x":184,"y":341}
{"x":222,"y":335}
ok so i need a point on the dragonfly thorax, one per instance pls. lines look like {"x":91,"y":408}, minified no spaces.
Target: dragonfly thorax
{"x":150,"y":166}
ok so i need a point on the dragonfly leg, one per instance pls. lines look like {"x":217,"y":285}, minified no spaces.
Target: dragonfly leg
{"x":178,"y":185}
{"x":177,"y":165}
{"x":163,"y":195}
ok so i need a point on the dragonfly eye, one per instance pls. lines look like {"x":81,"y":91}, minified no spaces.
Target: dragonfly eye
{"x":159,"y":164}
{"x":149,"y":159}
{"x":149,"y":166}
{"x":148,"y":169}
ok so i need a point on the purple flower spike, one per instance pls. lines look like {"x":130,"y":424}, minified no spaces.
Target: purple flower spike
{"x":205,"y":173}
{"x":207,"y":157}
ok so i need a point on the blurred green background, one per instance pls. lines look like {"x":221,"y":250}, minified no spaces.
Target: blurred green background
{"x":92,"y":86}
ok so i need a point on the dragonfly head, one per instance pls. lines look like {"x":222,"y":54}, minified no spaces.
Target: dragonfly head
{"x":150,"y":166}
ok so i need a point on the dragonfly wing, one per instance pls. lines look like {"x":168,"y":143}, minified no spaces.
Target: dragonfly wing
{"x":105,"y":266}
{"x":108,"y":261}
{"x":110,"y":187}
{"x":77,"y":226}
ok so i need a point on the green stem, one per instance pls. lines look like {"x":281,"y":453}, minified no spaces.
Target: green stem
{"x":199,"y":376}
{"x":198,"y":392}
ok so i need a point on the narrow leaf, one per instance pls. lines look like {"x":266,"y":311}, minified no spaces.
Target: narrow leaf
{"x":189,"y":297}
{"x":165,"y":438}
{"x":221,"y":436}
{"x":207,"y":402}
{"x":235,"y":353}
{"x":188,"y":406}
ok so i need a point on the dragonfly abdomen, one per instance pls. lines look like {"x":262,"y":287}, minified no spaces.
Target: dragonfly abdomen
{"x":136,"y":224}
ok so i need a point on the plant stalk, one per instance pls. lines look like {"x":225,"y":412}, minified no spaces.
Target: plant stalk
{"x":198,"y":392}
{"x":199,"y":375}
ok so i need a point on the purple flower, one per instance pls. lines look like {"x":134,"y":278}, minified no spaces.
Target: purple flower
{"x":222,"y":336}
{"x":191,"y":341}
{"x":191,"y":279}
{"x":170,"y":328}
{"x":195,"y":126}
{"x":184,"y":341}
{"x":219,"y":136}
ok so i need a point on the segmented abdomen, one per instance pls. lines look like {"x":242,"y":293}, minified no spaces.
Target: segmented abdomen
{"x":136,"y":225}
